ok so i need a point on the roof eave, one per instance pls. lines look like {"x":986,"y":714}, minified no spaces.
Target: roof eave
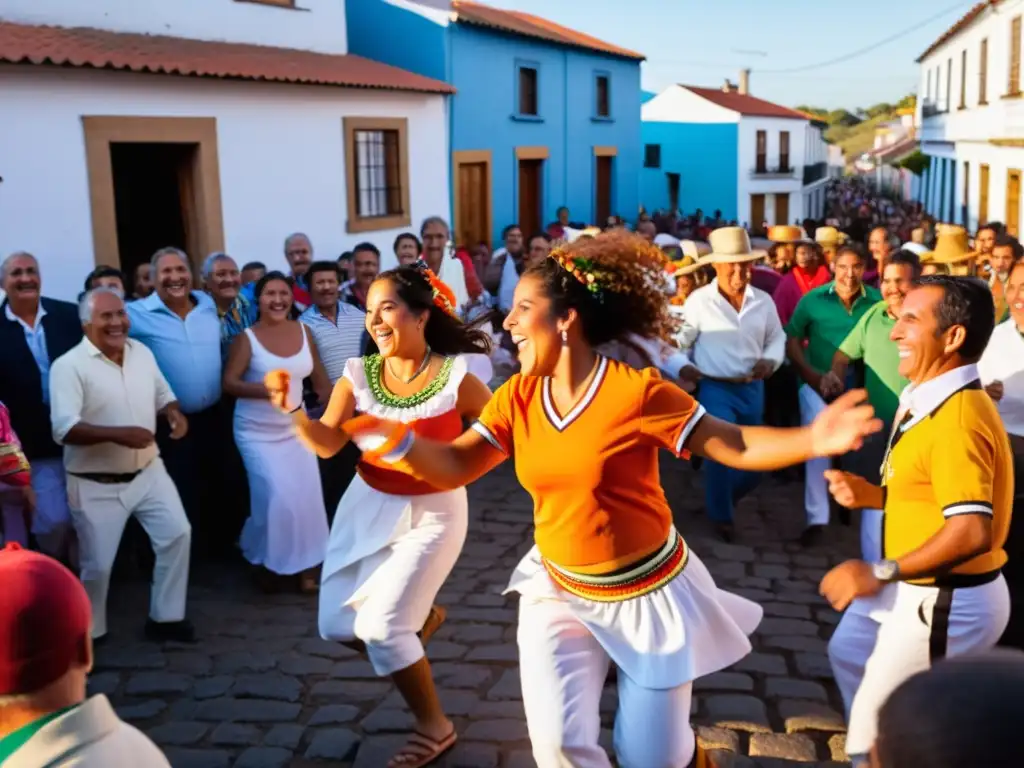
{"x":637,"y":57}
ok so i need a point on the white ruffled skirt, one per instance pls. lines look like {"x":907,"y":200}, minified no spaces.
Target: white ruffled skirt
{"x":687,"y":629}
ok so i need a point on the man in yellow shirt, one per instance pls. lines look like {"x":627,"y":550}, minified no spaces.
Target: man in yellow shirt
{"x":947,"y":496}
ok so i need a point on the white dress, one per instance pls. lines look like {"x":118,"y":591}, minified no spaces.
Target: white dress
{"x":389,"y":554}
{"x":287,"y":524}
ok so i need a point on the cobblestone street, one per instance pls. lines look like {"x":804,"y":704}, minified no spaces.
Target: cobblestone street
{"x":261,"y":690}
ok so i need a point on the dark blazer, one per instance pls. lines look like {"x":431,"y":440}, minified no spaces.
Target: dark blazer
{"x":21,"y":386}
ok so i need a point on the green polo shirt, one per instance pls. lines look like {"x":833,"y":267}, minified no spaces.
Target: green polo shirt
{"x":869,"y":341}
{"x":15,"y":740}
{"x":823,"y":321}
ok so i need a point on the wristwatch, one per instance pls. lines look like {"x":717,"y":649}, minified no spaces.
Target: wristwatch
{"x":886,"y":571}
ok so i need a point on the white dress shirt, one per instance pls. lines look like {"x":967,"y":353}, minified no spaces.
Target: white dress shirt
{"x":509,"y":281}
{"x":454,"y":276}
{"x":86,"y":385}
{"x":1003,"y":360}
{"x":724,"y":343}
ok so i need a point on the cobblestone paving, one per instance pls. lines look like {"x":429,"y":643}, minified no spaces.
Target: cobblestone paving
{"x":261,"y":690}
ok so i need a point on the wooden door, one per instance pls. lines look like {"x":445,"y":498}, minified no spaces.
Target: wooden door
{"x":530,"y":178}
{"x":1013,"y":202}
{"x":983,"y":195}
{"x":756,"y":214}
{"x":472,"y":203}
{"x":782,"y":209}
{"x":673,"y":191}
{"x":603,"y":190}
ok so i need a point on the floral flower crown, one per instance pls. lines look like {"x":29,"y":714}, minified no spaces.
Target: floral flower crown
{"x":585,"y":271}
{"x":444,"y":297}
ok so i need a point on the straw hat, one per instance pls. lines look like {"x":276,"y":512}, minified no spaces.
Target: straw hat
{"x":731,"y":245}
{"x":915,"y":248}
{"x":829,"y":236}
{"x":952,"y":247}
{"x":785,"y":234}
{"x":684,"y":266}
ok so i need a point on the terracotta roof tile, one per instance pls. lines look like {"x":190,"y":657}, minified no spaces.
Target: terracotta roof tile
{"x":746,"y":104}
{"x":962,"y":23}
{"x":101,"y":49}
{"x":527,"y":24}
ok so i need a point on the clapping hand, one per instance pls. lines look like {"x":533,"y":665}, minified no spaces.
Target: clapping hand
{"x":278,"y":383}
{"x":849,"y":490}
{"x":843,"y":425}
{"x":377,"y":438}
{"x":848,"y":581}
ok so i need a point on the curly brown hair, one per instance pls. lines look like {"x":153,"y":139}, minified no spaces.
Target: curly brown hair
{"x":615,"y":282}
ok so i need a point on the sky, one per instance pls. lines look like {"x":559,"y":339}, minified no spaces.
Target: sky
{"x":702,"y":42}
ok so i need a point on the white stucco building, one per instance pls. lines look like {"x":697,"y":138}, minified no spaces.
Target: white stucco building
{"x":972,"y":118}
{"x":209,"y":125}
{"x":754,"y":160}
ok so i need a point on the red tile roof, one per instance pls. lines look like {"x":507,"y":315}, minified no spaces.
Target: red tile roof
{"x":527,"y":24}
{"x":962,"y":23}
{"x":746,"y":104}
{"x":100,"y":49}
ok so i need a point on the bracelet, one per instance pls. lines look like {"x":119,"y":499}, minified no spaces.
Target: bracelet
{"x":400,"y":451}
{"x":296,"y":409}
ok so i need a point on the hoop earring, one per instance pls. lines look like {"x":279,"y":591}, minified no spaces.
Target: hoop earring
{"x":565,"y":339}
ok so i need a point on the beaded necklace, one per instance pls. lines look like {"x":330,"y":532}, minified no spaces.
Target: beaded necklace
{"x":373,"y":367}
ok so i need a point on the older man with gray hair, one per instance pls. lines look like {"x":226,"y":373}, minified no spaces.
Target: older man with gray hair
{"x":182,"y":329}
{"x":223,"y":282}
{"x":106,"y":394}
{"x":35,"y":331}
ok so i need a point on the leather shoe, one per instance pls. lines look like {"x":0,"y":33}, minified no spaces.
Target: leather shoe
{"x":170,"y":631}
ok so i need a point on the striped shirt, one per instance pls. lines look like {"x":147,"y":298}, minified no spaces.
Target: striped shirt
{"x":337,"y":342}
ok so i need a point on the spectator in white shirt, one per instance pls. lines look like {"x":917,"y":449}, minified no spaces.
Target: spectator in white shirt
{"x":732,"y":334}
{"x":1002,"y":372}
{"x":440,"y":259}
{"x":105,"y":396}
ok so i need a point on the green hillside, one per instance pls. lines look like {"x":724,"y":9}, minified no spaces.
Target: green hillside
{"x":854,"y":131}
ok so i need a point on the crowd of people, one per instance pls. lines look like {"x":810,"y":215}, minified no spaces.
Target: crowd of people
{"x":254,"y":412}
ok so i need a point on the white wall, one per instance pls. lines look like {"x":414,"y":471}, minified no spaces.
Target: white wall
{"x":318,"y":26}
{"x":282,"y":166}
{"x":1001,"y":118}
{"x":792,"y":185}
{"x":999,"y":160}
{"x":677,"y":104}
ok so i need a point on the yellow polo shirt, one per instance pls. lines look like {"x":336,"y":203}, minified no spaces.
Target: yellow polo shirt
{"x":951,"y":457}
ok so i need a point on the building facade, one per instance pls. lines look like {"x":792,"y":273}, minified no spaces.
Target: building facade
{"x":207,"y":125}
{"x":971,"y":118}
{"x":724,"y":149}
{"x":543,"y":116}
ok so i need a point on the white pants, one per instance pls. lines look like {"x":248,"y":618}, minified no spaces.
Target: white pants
{"x":563,"y":670}
{"x":100,"y":512}
{"x":385,"y":598}
{"x":883,"y":640}
{"x":815,"y":485}
{"x":871,"y":535}
{"x":51,"y":523}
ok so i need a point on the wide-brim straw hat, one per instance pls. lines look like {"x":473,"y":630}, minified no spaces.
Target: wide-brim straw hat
{"x":783,"y":233}
{"x":952,"y":246}
{"x":829,"y":236}
{"x":731,"y":245}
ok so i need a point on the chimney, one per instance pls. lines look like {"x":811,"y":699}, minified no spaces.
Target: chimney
{"x":745,"y":81}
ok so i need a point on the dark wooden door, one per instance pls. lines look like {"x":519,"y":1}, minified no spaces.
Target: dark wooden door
{"x":603,"y":190}
{"x":530,"y":195}
{"x":673,"y":191}
{"x":473,"y":205}
{"x":781,"y":209}
{"x":756,"y":214}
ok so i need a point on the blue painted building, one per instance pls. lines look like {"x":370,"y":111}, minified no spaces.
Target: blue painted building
{"x":543,"y":116}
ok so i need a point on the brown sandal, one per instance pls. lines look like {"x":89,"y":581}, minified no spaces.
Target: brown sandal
{"x":421,"y":750}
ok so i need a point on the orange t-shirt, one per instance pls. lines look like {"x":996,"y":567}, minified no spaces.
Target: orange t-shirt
{"x":593,"y":475}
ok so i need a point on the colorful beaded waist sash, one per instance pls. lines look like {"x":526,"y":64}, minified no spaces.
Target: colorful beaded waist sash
{"x":640,"y":578}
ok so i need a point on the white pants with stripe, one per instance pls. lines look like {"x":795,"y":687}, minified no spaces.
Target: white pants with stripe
{"x":100,"y":512}
{"x":815,"y":485}
{"x":563,"y":670}
{"x":883,"y":640}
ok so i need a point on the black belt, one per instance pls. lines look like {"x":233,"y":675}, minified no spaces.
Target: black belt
{"x":964,"y":580}
{"x":107,"y":478}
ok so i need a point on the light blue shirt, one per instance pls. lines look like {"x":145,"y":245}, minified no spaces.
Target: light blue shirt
{"x":187,"y":351}
{"x":35,"y":337}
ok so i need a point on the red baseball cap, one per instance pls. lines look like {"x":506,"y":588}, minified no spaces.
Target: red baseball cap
{"x":45,"y":618}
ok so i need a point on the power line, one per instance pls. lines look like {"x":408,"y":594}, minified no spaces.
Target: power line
{"x":867,"y":49}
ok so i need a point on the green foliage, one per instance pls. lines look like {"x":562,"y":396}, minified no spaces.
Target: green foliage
{"x":915,"y":163}
{"x":854,"y":131}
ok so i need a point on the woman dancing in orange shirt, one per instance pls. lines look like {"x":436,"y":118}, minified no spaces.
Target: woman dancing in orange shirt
{"x":610,"y":580}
